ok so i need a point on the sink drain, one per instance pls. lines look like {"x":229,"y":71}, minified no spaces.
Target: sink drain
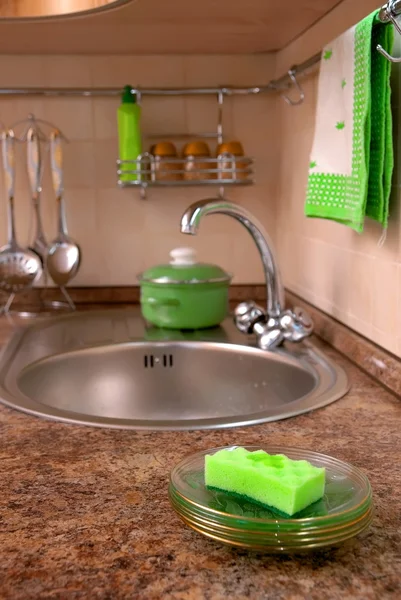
{"x":150,"y":361}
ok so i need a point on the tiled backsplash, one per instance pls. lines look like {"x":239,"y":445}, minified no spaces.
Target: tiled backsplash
{"x":121,"y":234}
{"x":350,"y":276}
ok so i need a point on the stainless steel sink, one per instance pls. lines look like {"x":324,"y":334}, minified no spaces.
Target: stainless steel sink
{"x":108,"y":369}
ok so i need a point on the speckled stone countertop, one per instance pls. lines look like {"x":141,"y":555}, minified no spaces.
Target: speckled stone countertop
{"x":85,"y":512}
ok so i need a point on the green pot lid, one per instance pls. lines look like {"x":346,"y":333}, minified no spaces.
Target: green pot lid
{"x":183,"y":268}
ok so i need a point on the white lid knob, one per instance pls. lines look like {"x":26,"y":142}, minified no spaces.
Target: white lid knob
{"x":183,"y":256}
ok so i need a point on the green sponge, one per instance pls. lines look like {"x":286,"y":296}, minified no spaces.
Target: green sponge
{"x":273,"y":480}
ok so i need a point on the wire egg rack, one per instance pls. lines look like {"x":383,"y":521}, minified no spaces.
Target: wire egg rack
{"x":149,"y":170}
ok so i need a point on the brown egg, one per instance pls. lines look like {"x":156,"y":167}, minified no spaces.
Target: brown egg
{"x":165,"y":166}
{"x":164,"y":149}
{"x":197,"y":148}
{"x":195,"y":169}
{"x":230,"y":147}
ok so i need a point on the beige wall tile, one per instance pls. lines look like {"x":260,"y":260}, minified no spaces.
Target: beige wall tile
{"x":81,"y":220}
{"x":21,"y":71}
{"x":13,"y":110}
{"x":79,"y":164}
{"x":255,"y":126}
{"x":329,"y":274}
{"x":73,"y":116}
{"x":219,"y":70}
{"x":385,"y":297}
{"x":120,"y":237}
{"x":361,"y":290}
{"x":259,"y":202}
{"x":145,"y":70}
{"x":305,"y":293}
{"x":245,"y":261}
{"x":289,"y":258}
{"x":201,"y":113}
{"x":66,"y":71}
{"x":80,"y":206}
{"x":119,"y":213}
{"x":105,"y":157}
{"x":161,"y":116}
{"x":105,"y":118}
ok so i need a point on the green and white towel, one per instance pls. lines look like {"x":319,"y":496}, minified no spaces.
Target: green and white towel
{"x":351,"y":162}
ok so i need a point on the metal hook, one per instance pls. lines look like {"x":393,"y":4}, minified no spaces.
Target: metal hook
{"x":220,"y":101}
{"x":390,"y":17}
{"x":142,"y":191}
{"x":32,"y":121}
{"x":291,"y":75}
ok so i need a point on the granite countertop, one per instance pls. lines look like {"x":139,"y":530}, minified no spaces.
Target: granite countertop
{"x":85,"y":513}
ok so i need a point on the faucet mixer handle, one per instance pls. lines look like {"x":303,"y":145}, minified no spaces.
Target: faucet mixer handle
{"x":246,"y":315}
{"x":295,"y":324}
{"x":292,"y":325}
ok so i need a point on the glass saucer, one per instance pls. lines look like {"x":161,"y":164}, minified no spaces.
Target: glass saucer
{"x":344,"y":511}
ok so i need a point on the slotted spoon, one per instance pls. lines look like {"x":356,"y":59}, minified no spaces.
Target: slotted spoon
{"x":19,"y":267}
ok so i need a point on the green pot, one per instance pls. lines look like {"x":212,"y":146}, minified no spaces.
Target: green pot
{"x":184,"y":294}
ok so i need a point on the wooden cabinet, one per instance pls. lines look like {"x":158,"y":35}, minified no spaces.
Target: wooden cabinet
{"x":159,"y":27}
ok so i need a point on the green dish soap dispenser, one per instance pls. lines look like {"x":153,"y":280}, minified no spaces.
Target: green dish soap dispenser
{"x":129,"y":133}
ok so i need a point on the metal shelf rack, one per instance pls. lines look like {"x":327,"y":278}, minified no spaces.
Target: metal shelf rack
{"x":152,"y":171}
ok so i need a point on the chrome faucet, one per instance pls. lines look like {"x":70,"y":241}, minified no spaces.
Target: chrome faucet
{"x":275,"y":324}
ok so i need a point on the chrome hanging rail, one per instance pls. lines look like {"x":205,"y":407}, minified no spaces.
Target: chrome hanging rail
{"x":387,"y":14}
{"x":391,"y":9}
{"x":111,"y":92}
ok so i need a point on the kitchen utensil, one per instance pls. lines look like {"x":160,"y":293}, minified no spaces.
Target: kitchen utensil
{"x":344,"y":511}
{"x":39,"y":244}
{"x":64,"y":254}
{"x":184,"y":294}
{"x":19,"y":268}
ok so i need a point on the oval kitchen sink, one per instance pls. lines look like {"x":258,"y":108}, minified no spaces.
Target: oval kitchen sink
{"x":106,"y":368}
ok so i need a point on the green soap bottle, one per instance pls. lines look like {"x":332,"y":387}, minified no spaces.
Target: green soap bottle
{"x":129,"y":132}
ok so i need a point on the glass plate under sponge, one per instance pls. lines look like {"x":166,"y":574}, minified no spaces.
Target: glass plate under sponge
{"x":345,"y":510}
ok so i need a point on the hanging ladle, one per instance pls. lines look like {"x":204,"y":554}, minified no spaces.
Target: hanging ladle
{"x":64,"y":254}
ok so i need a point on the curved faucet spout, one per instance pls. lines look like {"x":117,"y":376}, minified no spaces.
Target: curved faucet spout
{"x":190,"y":222}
